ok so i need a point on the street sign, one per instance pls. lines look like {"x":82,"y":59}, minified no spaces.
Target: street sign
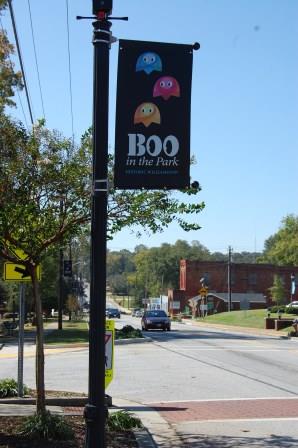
{"x":203,"y":291}
{"x":109,"y":352}
{"x":18,"y":272}
{"x":67,"y":268}
{"x":19,"y":253}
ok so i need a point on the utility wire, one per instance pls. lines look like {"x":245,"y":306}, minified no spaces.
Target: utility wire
{"x":69,"y":71}
{"x":20,"y":59}
{"x":18,"y":93}
{"x":36,"y":62}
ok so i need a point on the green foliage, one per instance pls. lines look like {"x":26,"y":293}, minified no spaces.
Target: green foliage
{"x":277,"y":309}
{"x":122,"y":421}
{"x":128,"y":332}
{"x":44,"y":189}
{"x":157,"y":268}
{"x":282,"y":247}
{"x":9,"y":388}
{"x":9,"y":79}
{"x":278,"y":291}
{"x":283,"y":309}
{"x":47,"y":426}
{"x":291,"y":310}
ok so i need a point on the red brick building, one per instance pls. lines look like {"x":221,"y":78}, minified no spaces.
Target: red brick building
{"x":249,"y":284}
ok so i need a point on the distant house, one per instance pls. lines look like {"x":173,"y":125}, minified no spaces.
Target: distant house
{"x":248,"y":288}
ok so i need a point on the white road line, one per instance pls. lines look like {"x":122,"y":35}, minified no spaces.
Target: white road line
{"x":220,"y":399}
{"x":224,"y":420}
{"x":250,"y":349}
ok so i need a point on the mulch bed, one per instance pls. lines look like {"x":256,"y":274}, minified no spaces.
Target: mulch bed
{"x":10,"y":438}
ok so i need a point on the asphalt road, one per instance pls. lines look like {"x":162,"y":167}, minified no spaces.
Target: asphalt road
{"x":186,"y":363}
{"x":198,"y":379}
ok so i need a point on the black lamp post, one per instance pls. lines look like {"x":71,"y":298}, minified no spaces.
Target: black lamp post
{"x":95,"y":410}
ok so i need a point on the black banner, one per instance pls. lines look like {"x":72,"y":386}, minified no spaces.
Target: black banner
{"x":152,"y":143}
{"x":67,"y":268}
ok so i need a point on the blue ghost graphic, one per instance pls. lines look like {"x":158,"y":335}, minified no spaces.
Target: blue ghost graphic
{"x":149,"y":62}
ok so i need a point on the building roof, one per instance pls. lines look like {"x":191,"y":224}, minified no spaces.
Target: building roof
{"x":240,"y":297}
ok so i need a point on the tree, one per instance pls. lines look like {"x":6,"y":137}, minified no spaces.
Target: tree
{"x":44,"y":200}
{"x":278,"y":291}
{"x":9,"y":79}
{"x":45,"y":196}
{"x":158,"y":267}
{"x":282,"y":248}
{"x":72,"y":304}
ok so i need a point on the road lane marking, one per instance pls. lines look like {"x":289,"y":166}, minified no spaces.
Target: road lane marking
{"x":239,"y":349}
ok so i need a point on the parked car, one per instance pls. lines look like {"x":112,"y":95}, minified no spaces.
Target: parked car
{"x":113,"y":312}
{"x":292,"y":304}
{"x":134,"y":311}
{"x":139,"y":313}
{"x":155,"y":319}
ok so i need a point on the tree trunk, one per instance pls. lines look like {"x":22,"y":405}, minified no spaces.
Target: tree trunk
{"x":39,"y":359}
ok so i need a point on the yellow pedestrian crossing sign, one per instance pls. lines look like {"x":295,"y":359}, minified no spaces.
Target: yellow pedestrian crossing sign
{"x":18,"y":273}
{"x":19,"y":253}
{"x":203,"y":292}
{"x":109,"y":352}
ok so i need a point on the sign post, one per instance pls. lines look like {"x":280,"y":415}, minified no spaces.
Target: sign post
{"x":21,"y":340}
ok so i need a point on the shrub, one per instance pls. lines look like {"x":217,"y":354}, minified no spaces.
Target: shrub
{"x":128,"y":332}
{"x":292,"y":310}
{"x":9,"y":388}
{"x":283,"y":309}
{"x":122,"y":421}
{"x":47,"y":426}
{"x":276,"y":309}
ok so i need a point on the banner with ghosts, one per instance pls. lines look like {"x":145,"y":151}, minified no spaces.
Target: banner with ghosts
{"x":152,"y":140}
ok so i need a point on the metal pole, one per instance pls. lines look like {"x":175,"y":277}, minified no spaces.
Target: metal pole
{"x":60,"y":296}
{"x":21,"y":340}
{"x":95,"y":410}
{"x":229,"y":280}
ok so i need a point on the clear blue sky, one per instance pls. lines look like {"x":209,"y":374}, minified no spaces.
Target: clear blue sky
{"x":244,"y":131}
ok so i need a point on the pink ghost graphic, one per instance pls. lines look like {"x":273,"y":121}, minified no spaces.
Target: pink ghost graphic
{"x":166,"y":86}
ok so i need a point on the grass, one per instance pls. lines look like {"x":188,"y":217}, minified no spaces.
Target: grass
{"x":245,"y":318}
{"x":72,"y":332}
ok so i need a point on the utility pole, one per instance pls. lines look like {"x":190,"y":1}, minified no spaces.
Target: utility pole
{"x":229,"y":280}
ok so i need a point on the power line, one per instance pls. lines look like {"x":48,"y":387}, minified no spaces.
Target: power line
{"x":18,"y":93}
{"x":69,"y":70}
{"x":20,"y":59}
{"x":36,"y":62}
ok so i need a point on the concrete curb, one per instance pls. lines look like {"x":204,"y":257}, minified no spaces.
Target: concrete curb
{"x":53,"y":401}
{"x":144,"y":438}
{"x":158,"y":432}
{"x":86,"y":344}
{"x":133,"y":341}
